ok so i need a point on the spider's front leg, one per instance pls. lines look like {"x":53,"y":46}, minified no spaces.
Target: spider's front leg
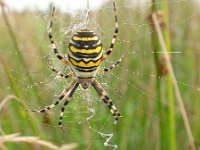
{"x":108,"y":52}
{"x":104,"y":96}
{"x":53,"y":42}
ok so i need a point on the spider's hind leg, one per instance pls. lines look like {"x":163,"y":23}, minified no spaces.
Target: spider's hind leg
{"x":60,"y":98}
{"x":68,"y":98}
{"x":104,"y":96}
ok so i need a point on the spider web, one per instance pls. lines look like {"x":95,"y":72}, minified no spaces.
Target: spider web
{"x":130,"y":85}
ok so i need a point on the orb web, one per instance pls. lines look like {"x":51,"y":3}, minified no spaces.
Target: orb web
{"x":130,"y":85}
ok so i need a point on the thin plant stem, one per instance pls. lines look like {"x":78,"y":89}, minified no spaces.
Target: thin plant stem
{"x":172,"y":75}
{"x":196,"y":128}
{"x":170,"y":89}
{"x":163,"y":135}
{"x":167,"y":135}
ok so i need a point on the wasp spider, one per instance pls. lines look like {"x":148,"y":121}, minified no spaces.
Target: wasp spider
{"x":84,"y":58}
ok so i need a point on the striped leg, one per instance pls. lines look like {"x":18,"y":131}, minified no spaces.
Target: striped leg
{"x":60,"y":98}
{"x":104,"y":96}
{"x":68,"y":98}
{"x":52,"y":41}
{"x":107,"y":53}
{"x":61,"y":74}
{"x":103,"y":70}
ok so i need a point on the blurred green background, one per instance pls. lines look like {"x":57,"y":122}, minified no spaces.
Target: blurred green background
{"x":138,"y":86}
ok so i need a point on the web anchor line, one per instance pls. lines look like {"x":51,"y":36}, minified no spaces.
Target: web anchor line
{"x":87,"y":14}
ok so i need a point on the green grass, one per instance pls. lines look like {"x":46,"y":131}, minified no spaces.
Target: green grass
{"x":151,"y":120}
{"x":167,"y":136}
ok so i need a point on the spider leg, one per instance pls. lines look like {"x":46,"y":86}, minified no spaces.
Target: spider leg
{"x":103,"y":70}
{"x":107,"y":53}
{"x":53,"y":42}
{"x":104,"y":96}
{"x":68,"y":98}
{"x":60,"y":98}
{"x":61,"y":74}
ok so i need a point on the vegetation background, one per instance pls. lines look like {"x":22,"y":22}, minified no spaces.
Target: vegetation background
{"x":142,"y":86}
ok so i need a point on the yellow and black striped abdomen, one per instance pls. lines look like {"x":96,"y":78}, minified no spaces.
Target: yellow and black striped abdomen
{"x":85,"y":52}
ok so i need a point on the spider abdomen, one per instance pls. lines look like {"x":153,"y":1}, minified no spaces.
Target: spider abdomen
{"x":85,"y":52}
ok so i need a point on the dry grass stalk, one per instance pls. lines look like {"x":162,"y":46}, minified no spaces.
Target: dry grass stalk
{"x":34,"y":140}
{"x":3,"y":102}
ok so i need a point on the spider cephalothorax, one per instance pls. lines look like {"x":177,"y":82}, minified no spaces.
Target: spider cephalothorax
{"x":85,"y":83}
{"x":85,"y":55}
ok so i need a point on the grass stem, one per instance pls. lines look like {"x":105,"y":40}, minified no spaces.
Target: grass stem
{"x":177,"y":91}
